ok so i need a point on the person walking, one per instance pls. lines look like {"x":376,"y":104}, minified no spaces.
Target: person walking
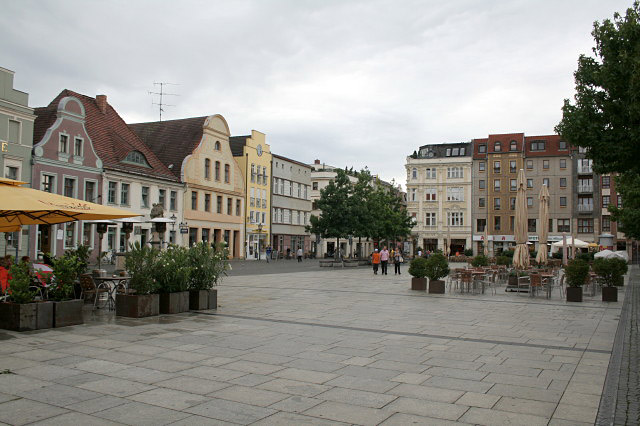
{"x":268,"y":253}
{"x":384,"y":259}
{"x":397,"y":261}
{"x":299,"y":254}
{"x":375,"y":260}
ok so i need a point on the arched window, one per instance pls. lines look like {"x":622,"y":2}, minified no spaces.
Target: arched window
{"x":207,"y":168}
{"x":513,"y":146}
{"x":136,"y":157}
{"x":217,"y":170}
{"x":217,"y":146}
{"x":227,"y":173}
{"x":497,"y":147}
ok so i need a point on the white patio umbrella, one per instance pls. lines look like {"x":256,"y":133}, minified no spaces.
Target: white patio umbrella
{"x":571,"y":241}
{"x":605,"y":254}
{"x":541,"y":258}
{"x":521,"y":255}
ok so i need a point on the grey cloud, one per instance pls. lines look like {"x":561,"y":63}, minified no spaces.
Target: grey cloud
{"x":349,"y":82}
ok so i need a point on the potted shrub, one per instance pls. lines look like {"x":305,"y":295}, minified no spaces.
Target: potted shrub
{"x":208,"y":265}
{"x":21,"y":312}
{"x":172,"y":273}
{"x":67,"y":310}
{"x":611,"y":272}
{"x":576,"y":273}
{"x":142,"y":299}
{"x":480,"y":260}
{"x":437,"y":267}
{"x":418,"y":270}
{"x":503,"y":260}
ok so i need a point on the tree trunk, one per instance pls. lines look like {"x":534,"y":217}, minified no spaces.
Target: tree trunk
{"x":360,"y":247}
{"x":336,"y":254}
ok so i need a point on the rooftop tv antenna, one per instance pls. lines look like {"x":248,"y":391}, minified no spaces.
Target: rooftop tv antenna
{"x":161,"y":94}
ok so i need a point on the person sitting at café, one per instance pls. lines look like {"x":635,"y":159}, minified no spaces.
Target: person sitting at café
{"x":4,"y":274}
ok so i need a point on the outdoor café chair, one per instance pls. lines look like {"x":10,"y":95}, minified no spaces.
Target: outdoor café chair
{"x":524,"y":283}
{"x":89,"y":287}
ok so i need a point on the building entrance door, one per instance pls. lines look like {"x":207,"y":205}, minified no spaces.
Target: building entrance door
{"x":44,"y":238}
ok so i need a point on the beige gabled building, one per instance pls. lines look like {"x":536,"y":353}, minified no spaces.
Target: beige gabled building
{"x":197,"y":151}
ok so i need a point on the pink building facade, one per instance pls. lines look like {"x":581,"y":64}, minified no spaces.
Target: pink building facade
{"x":65,"y":162}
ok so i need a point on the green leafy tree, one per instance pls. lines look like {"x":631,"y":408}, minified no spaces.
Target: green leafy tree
{"x":359,"y":206}
{"x":605,"y":117}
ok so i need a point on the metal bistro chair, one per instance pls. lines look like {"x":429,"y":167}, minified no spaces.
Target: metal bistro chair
{"x":524,"y":283}
{"x":535,"y":284}
{"x":89,"y":287}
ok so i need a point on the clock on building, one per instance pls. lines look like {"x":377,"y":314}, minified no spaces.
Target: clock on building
{"x":259,"y":149}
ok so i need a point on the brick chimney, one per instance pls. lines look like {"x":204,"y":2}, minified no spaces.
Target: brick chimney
{"x":101,"y":101}
{"x":316,"y":162}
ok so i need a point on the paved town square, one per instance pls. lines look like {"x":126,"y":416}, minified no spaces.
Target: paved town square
{"x":330,"y":346}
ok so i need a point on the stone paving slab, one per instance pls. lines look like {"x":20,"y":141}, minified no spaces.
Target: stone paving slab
{"x":319,"y":347}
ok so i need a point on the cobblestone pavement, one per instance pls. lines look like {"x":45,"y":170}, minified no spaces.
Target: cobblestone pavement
{"x":620,"y":403}
{"x":319,"y":347}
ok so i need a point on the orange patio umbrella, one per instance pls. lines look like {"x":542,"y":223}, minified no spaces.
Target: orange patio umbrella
{"x":20,"y":205}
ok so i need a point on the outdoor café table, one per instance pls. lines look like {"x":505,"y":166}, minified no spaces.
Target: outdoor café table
{"x":112,"y":284}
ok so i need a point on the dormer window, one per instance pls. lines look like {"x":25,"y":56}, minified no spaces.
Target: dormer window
{"x":513,"y":146}
{"x":136,"y":157}
{"x":482,"y":148}
{"x":497,"y":147}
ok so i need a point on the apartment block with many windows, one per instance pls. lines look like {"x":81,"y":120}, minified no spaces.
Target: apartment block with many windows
{"x":439,"y":196}
{"x":290,"y":205}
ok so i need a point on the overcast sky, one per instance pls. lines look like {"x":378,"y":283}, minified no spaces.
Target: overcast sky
{"x":351,"y":83}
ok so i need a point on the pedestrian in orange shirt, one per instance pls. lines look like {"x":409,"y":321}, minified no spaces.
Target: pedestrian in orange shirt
{"x":375,"y":259}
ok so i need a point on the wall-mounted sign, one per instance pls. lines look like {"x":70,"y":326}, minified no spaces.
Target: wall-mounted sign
{"x":60,"y":234}
{"x":5,"y":146}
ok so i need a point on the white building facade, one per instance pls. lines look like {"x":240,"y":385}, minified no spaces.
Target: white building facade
{"x":439,"y":185}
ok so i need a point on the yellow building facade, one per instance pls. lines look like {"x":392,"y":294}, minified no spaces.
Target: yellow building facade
{"x":253,"y":155}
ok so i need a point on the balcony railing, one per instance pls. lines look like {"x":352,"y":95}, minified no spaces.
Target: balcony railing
{"x":585,"y":208}
{"x":584,"y":169}
{"x":585,"y":188}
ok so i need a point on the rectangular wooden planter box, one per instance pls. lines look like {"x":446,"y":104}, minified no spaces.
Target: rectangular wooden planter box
{"x":44,"y":315}
{"x":174,"y":303}
{"x":18,"y":317}
{"x":574,"y":294}
{"x":200,"y":300}
{"x":436,"y":286}
{"x":137,"y":305}
{"x":609,"y":294}
{"x":68,"y":312}
{"x":419,"y":284}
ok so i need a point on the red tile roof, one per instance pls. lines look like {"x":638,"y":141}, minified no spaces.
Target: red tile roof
{"x":111,"y":137}
{"x":171,"y":140}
